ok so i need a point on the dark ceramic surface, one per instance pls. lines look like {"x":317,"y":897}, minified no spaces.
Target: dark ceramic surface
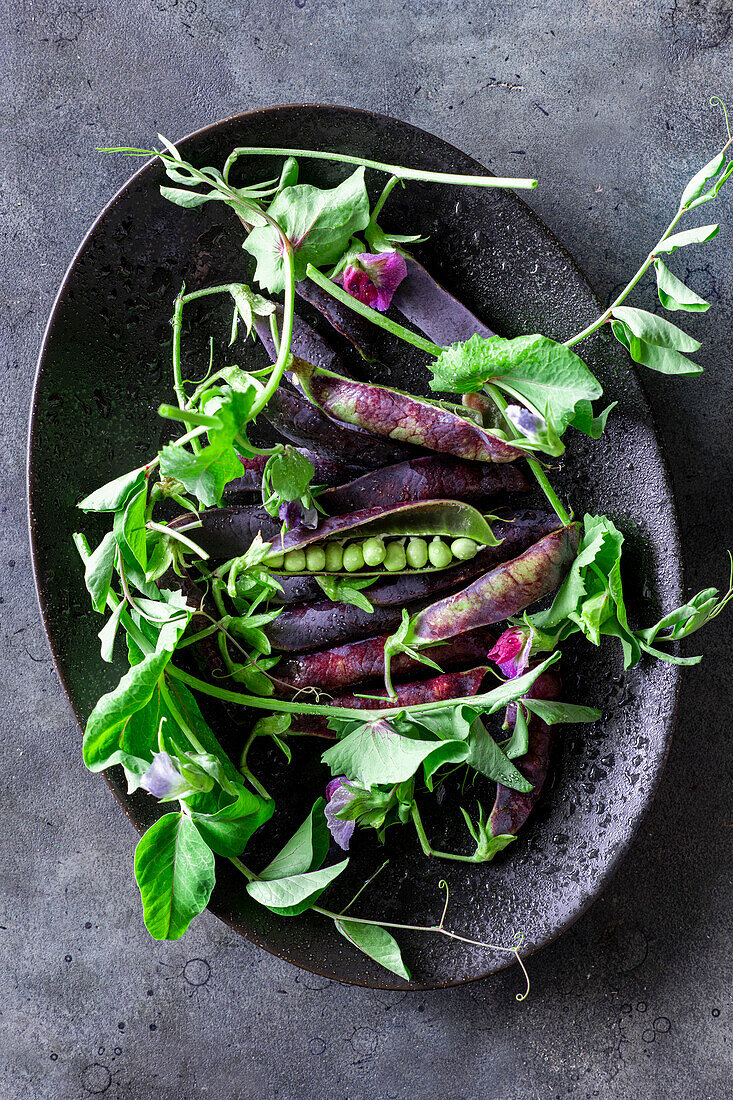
{"x":105,"y":367}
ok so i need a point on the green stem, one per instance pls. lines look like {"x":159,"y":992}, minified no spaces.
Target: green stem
{"x":628,"y":288}
{"x":535,"y":467}
{"x":393,"y":169}
{"x":425,"y":844}
{"x":193,"y":739}
{"x":283,"y":706}
{"x":435,"y":928}
{"x":372,"y":315}
{"x":283,"y":353}
{"x":387,"y":191}
{"x":161,"y":527}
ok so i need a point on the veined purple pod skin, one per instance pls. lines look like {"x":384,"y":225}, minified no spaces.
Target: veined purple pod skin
{"x":400,"y":416}
{"x":434,"y":310}
{"x":512,"y":808}
{"x":449,"y":685}
{"x":524,"y":528}
{"x":431,"y":477}
{"x":356,"y":662}
{"x":503,"y":592}
{"x":298,"y":420}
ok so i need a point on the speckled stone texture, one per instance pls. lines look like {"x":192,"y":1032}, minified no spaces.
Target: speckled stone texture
{"x":607,"y":104}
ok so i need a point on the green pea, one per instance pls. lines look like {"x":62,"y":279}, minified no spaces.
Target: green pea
{"x":417,"y":553}
{"x":353,"y":557}
{"x":439,"y":553}
{"x":395,"y":558}
{"x":315,"y":558}
{"x":274,"y":561}
{"x":334,"y":556}
{"x":295,"y":561}
{"x":374,"y":551}
{"x":464,"y":548}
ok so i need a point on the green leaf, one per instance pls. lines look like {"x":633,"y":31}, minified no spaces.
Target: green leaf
{"x":109,"y":738}
{"x":713,"y":192}
{"x":319,"y":224}
{"x":174,"y":868}
{"x":348,"y":590}
{"x":700,"y":180}
{"x":227,"y":830}
{"x":98,"y":572}
{"x":518,"y":743}
{"x":673,"y":294}
{"x":537,"y":371}
{"x":553,"y":712}
{"x":306,"y":849}
{"x":377,"y":943}
{"x":113,"y":495}
{"x":584,"y":420}
{"x":205,"y":474}
{"x":288,"y":474}
{"x":698,"y":235}
{"x":293,"y":895}
{"x":664,"y":360}
{"x":133,"y":527}
{"x":247,"y":304}
{"x":375,"y":753}
{"x":485,"y":756}
{"x":655,"y":330}
{"x":188,"y":199}
{"x":108,"y":632}
{"x":487,"y":845}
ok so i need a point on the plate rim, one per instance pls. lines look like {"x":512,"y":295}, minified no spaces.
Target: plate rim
{"x":673,"y":534}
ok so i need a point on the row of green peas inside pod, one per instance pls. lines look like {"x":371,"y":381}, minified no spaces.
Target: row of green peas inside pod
{"x":392,"y":555}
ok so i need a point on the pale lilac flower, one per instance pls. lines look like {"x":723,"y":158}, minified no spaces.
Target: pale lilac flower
{"x":373,"y":279}
{"x":338,"y":796}
{"x":529,"y":424}
{"x":163,"y":779}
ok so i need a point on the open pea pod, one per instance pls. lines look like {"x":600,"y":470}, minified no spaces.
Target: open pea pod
{"x":442,"y":519}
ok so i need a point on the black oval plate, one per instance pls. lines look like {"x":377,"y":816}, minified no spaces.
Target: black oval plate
{"x":104,"y":368}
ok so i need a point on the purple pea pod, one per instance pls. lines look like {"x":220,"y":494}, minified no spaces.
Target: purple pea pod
{"x":504,"y":591}
{"x":295,"y":418}
{"x":305,"y":342}
{"x":357,"y":330}
{"x":451,"y":518}
{"x":325,"y":472}
{"x":449,"y":685}
{"x":343,"y":666}
{"x":227,"y":532}
{"x":400,"y":416}
{"x":516,"y":535}
{"x":432,"y":477}
{"x":512,"y":808}
{"x":432,"y":309}
{"x":318,"y":625}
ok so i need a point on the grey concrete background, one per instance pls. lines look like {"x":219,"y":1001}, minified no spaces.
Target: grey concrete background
{"x":607,"y":104}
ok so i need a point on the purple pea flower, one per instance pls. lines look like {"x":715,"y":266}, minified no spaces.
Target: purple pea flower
{"x":163,"y":779}
{"x":512,"y":652}
{"x":373,"y":279}
{"x":529,"y":424}
{"x":338,"y":796}
{"x":292,"y":514}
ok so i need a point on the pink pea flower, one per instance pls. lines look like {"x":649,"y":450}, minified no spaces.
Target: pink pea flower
{"x":512,"y":652}
{"x":373,"y":279}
